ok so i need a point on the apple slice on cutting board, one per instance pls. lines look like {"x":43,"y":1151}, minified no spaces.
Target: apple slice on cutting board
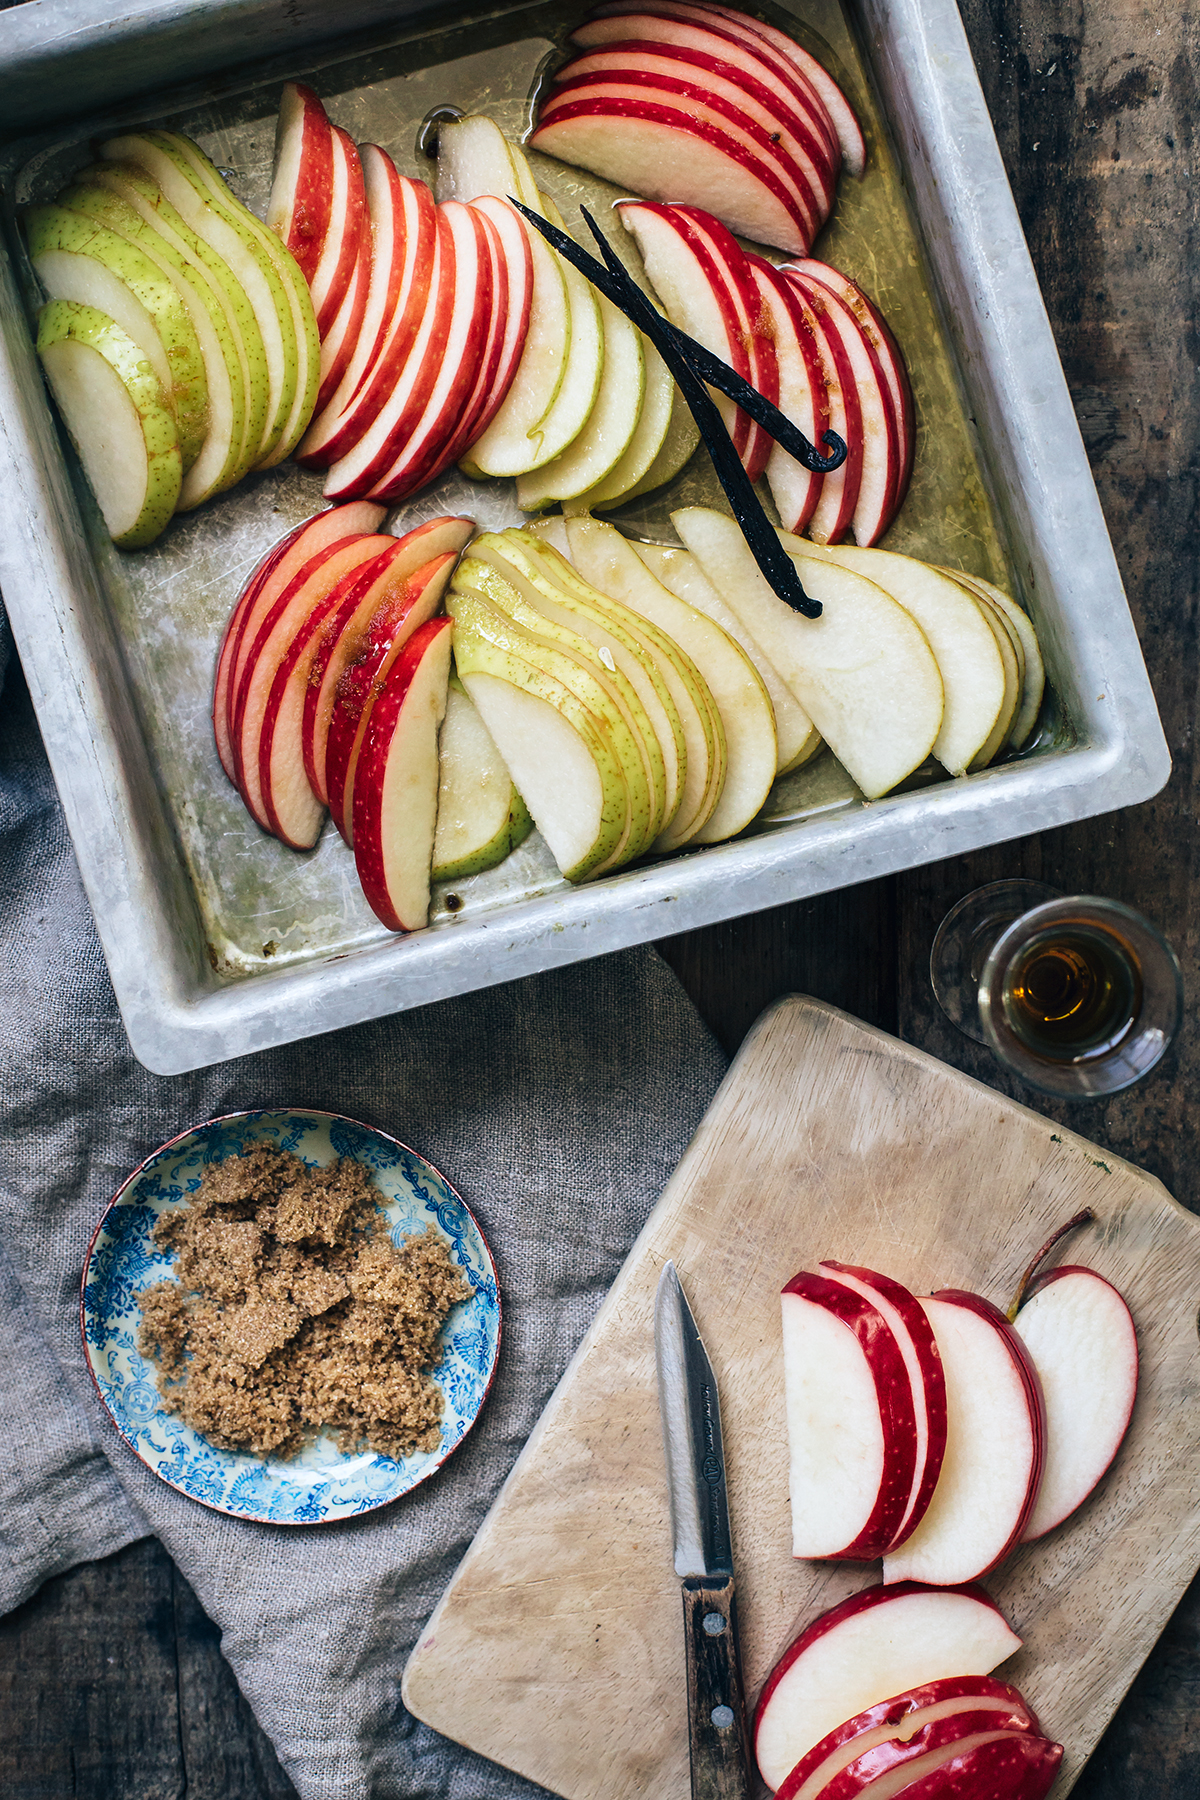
{"x":880,"y":1642}
{"x":967,"y":1756}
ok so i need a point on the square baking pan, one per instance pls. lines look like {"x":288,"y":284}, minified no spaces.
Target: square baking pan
{"x":220,"y":941}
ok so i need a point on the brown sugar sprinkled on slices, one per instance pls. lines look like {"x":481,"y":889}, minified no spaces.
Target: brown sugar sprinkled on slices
{"x":294,"y":1311}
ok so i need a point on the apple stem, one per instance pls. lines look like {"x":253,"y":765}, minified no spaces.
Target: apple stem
{"x":1081,"y":1218}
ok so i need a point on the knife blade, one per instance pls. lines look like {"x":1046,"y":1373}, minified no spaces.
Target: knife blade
{"x":691,"y":1422}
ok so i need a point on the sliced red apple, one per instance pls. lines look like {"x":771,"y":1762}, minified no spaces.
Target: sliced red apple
{"x":396,"y":784}
{"x":1016,"y":1764}
{"x":995,"y":1445}
{"x":901,"y":1718}
{"x":363,"y":677}
{"x":394,"y":587}
{"x":837,"y":497}
{"x":338,"y":343}
{"x":882,"y":1641}
{"x":667,"y":153}
{"x":803,"y":395}
{"x":852,"y":1441}
{"x":1081,"y":1337}
{"x":269,"y":578}
{"x":348,"y":236}
{"x":512,"y":297}
{"x":302,"y":189}
{"x":923,"y":1364}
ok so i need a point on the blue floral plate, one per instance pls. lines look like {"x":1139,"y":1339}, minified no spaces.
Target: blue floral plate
{"x":321,"y":1482}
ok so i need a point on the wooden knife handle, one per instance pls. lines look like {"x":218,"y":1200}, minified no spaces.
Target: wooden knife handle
{"x":717,"y":1735}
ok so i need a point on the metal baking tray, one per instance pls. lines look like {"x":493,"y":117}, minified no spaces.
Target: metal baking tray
{"x":220,"y":941}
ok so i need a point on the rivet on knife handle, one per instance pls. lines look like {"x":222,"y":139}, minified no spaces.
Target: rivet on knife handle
{"x":717,"y":1737}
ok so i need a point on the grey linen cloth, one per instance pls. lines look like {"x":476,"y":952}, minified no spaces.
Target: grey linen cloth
{"x":557,"y":1105}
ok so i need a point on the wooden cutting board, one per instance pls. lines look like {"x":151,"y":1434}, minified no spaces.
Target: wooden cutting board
{"x":557,"y":1649}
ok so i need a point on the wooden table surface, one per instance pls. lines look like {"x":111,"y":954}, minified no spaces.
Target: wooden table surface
{"x":112,"y":1685}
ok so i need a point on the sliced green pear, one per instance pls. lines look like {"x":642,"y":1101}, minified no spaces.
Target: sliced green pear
{"x":863,"y":671}
{"x":683,"y":434}
{"x":798,"y":739}
{"x":1034,"y":685}
{"x":650,"y":434}
{"x":615,"y":648}
{"x":611,"y":563}
{"x":118,"y":417}
{"x":130,"y":183}
{"x":965,"y":649}
{"x":1013,"y":674}
{"x":79,"y":259}
{"x":555,"y":748}
{"x":611,"y":424}
{"x":217,"y":224}
{"x":480,"y":817}
{"x":601,"y":687}
{"x":699,"y":715}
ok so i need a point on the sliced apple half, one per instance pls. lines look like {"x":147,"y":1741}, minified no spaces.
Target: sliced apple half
{"x":554,"y":746}
{"x":863,"y":671}
{"x":964,"y":1756}
{"x":995,"y":1447}
{"x":964,"y":647}
{"x":76,"y":258}
{"x":481,"y":817}
{"x":300,"y":206}
{"x":1081,"y":1337}
{"x":118,"y":417}
{"x":348,"y":236}
{"x":797,"y":738}
{"x":396,"y":785}
{"x":612,"y":565}
{"x":901,"y":1718}
{"x":880,"y":1642}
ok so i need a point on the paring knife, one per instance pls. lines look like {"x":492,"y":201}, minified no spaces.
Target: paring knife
{"x":691,"y":1421}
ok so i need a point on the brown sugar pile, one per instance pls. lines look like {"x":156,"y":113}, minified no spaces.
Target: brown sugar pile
{"x":295,"y":1311}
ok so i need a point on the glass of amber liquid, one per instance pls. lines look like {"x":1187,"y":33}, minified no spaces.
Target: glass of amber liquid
{"x":1077,"y":995}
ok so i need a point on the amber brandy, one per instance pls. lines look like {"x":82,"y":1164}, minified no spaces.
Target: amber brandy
{"x":1072,"y":992}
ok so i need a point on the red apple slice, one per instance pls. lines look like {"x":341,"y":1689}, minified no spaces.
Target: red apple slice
{"x":338,"y":344}
{"x":838,"y":498}
{"x":404,"y":233}
{"x":302,"y":189}
{"x":680,"y":69}
{"x":271,"y":641}
{"x":1015,"y":1764}
{"x":667,"y":154}
{"x":840,"y":111}
{"x":803,"y":394}
{"x":392,"y":589}
{"x":362,"y":678}
{"x":914,"y":1337}
{"x":1081,"y":1336}
{"x":751,"y":56}
{"x":396,"y":786}
{"x":851,"y":1430}
{"x":995,"y":1445}
{"x":881,"y":1641}
{"x":273,"y":573}
{"x":683,"y":273}
{"x":512,"y":278}
{"x":349,"y":231}
{"x":901,"y":1718}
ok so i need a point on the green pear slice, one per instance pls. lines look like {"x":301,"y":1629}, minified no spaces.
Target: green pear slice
{"x":965,"y":649}
{"x":797,"y":738}
{"x":128,"y":182}
{"x":683,"y":434}
{"x":597,"y":682}
{"x":76,"y":258}
{"x":215,"y":224}
{"x":611,"y":563}
{"x":658,"y":721}
{"x":1034,"y":685}
{"x":699,"y":715}
{"x":649,"y":436}
{"x":1013,"y":660}
{"x":118,"y":417}
{"x":480,"y":817}
{"x":555,"y":748}
{"x":863,"y":671}
{"x":611,"y":424}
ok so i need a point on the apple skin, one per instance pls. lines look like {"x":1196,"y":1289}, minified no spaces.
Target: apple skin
{"x":894,"y":1396}
{"x":962,"y":1693}
{"x":301,"y":193}
{"x":348,"y":239}
{"x":838,"y":498}
{"x":338,"y":342}
{"x":1055,"y":1503}
{"x":1015,"y":1764}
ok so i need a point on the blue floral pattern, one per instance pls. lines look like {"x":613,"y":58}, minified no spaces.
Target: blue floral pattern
{"x":321,"y":1482}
